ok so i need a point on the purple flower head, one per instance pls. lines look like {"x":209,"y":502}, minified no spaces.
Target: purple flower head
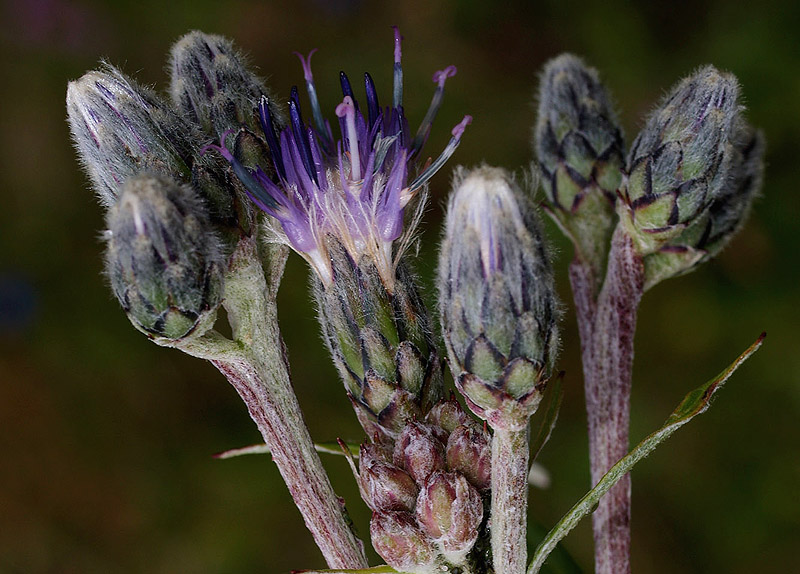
{"x":355,"y":188}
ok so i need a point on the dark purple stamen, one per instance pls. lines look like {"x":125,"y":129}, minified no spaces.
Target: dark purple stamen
{"x":397,"y":89}
{"x":373,"y":107}
{"x":300,"y":134}
{"x":269,"y":132}
{"x":252,"y":181}
{"x":347,"y":90}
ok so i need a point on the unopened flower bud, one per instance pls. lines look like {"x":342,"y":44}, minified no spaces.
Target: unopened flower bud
{"x":579,"y":147}
{"x":497,"y":302}
{"x":401,"y":543}
{"x":121,"y":128}
{"x":710,"y":233}
{"x":419,"y":451}
{"x":380,"y":343}
{"x":680,"y":162}
{"x":448,"y":415}
{"x":450,"y":510}
{"x":212,"y":85}
{"x":469,"y":452}
{"x":164,"y":263}
{"x":387,"y":487}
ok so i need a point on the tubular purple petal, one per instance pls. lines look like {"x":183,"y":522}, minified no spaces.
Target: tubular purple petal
{"x":354,"y":188}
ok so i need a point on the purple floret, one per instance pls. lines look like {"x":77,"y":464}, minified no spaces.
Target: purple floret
{"x":355,"y":188}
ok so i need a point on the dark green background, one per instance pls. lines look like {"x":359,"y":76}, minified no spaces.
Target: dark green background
{"x":106,"y":440}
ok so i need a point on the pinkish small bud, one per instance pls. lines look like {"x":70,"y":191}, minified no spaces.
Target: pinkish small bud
{"x":469,"y":452}
{"x":448,"y":415}
{"x":400,"y":542}
{"x":419,"y":451}
{"x":450,"y":510}
{"x":372,"y":452}
{"x":387,"y":487}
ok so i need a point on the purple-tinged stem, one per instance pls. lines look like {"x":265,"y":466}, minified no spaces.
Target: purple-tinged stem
{"x":255,"y":363}
{"x":278,"y":417}
{"x":510,"y":454}
{"x":607,"y":325}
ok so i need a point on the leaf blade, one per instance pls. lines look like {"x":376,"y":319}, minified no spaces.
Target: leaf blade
{"x":694,"y":403}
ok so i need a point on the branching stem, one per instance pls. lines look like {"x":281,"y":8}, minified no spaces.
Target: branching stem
{"x":255,"y":363}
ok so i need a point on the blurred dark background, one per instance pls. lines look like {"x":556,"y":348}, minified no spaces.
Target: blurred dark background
{"x":106,"y":440}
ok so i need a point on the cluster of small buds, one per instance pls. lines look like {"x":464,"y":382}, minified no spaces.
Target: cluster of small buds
{"x":173,"y":212}
{"x":497,"y":298}
{"x":580,"y":149}
{"x":427,"y":492}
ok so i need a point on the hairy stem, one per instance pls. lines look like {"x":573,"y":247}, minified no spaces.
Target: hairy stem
{"x":509,"y":500}
{"x":255,"y":363}
{"x":607,"y":324}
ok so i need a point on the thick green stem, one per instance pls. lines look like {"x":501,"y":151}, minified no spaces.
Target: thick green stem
{"x":255,"y":363}
{"x":510,"y":456}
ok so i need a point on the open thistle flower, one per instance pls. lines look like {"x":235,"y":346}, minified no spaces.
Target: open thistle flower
{"x":355,"y":189}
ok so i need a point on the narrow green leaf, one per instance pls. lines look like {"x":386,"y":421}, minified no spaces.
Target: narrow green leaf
{"x":376,"y":570}
{"x":234,"y":452}
{"x":693,"y":404}
{"x":324,"y":447}
{"x":560,"y":561}
{"x":334,"y":447}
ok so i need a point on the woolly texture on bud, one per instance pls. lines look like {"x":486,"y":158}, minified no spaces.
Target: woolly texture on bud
{"x":164,"y":263}
{"x":497,"y":299}
{"x":211,"y":84}
{"x":380,"y":342}
{"x":450,"y":511}
{"x":680,"y":162}
{"x":399,"y":540}
{"x":579,"y":147}
{"x":121,"y":128}
{"x":725,"y":216}
{"x":469,"y":452}
{"x":428,"y":511}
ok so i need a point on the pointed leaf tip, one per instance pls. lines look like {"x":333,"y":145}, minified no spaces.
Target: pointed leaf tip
{"x":693,"y":404}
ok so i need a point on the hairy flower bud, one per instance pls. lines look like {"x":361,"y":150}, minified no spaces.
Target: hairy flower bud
{"x":579,"y":147}
{"x":469,"y":452}
{"x":121,"y":128}
{"x":164,"y":264}
{"x":401,"y":543}
{"x":448,"y":415}
{"x":211,"y":84}
{"x":419,"y":451}
{"x":710,"y":233}
{"x":387,"y":487}
{"x":450,"y":510}
{"x":680,"y":162}
{"x":380,"y":342}
{"x":497,"y":299}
